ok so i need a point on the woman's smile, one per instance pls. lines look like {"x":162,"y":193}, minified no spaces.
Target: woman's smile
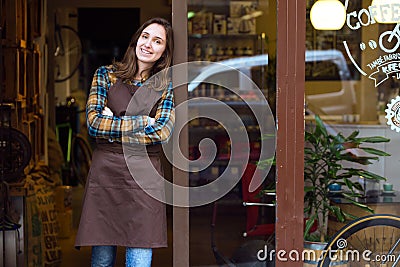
{"x":151,"y":45}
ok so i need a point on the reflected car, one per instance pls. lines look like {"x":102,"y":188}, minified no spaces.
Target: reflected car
{"x":329,"y":88}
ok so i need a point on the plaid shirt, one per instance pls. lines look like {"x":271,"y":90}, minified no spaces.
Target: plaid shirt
{"x":132,"y":129}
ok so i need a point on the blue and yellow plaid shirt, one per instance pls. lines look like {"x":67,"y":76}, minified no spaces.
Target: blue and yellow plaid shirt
{"x":132,"y":129}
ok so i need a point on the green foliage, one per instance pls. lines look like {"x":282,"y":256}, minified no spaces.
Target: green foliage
{"x":323,"y":157}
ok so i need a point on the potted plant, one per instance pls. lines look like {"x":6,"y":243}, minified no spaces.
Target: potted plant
{"x":324,"y":156}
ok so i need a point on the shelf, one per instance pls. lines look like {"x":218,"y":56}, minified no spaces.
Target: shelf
{"x":219,"y":162}
{"x":214,"y":129}
{"x":233,"y":103}
{"x":243,"y":35}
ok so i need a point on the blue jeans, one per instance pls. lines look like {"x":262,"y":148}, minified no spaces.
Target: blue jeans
{"x":104,"y":256}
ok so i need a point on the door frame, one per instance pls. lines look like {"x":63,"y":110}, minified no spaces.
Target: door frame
{"x":291,"y":18}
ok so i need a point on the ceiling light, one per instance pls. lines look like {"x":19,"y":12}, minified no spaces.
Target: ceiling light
{"x":328,"y":15}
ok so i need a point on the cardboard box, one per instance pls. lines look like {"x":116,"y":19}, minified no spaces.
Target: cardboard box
{"x":237,"y":11}
{"x":239,"y":26}
{"x":65,"y":224}
{"x":219,"y":24}
{"x":241,"y":8}
{"x":63,"y":198}
{"x":202,"y":23}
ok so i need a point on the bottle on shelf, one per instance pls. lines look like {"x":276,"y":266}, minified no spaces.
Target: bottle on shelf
{"x":209,"y":52}
{"x":197,"y":51}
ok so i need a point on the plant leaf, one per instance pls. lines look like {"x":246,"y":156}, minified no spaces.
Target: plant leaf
{"x":359,"y":159}
{"x":375,"y":151}
{"x":350,"y":216}
{"x":371,"y":176}
{"x":358,"y":186}
{"x":353,"y":134}
{"x":373,"y":139}
{"x":309,"y":189}
{"x":320,"y":127}
{"x":349,"y":183}
{"x":309,"y":224}
{"x":338,"y":213}
{"x":358,"y":204}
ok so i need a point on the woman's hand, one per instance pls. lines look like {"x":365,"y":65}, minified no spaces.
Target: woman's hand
{"x":107,"y":112}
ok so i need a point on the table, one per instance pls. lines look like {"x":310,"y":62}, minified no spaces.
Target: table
{"x":383,"y":203}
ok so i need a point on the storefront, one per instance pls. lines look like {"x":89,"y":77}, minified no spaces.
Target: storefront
{"x":250,"y":77}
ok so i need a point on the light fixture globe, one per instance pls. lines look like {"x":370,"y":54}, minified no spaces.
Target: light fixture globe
{"x":386,"y":11}
{"x":328,"y":15}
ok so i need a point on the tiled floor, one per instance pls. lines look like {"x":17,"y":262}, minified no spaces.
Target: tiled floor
{"x":228,"y":236}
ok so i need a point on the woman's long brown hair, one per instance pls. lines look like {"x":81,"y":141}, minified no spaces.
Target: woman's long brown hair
{"x":127,"y":68}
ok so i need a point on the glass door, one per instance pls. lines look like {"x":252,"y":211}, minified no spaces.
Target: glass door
{"x":231,"y":103}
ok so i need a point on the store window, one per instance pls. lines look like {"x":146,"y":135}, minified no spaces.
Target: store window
{"x":352,"y":125}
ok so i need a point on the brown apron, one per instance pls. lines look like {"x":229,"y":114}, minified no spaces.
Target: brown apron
{"x":116,"y":211}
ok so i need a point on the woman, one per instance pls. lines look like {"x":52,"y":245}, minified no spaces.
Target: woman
{"x":116,"y":211}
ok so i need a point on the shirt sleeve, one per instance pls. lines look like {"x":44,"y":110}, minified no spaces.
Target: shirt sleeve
{"x":104,"y":126}
{"x":162,"y":129}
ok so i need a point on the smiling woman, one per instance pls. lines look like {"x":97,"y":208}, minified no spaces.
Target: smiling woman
{"x":116,"y":211}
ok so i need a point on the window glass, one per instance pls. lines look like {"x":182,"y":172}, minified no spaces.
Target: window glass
{"x":231,"y":53}
{"x":352,"y":104}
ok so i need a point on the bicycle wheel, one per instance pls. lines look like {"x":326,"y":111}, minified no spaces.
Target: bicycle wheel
{"x":68,"y":52}
{"x":81,"y":158}
{"x":15,"y":154}
{"x":372,"y":240}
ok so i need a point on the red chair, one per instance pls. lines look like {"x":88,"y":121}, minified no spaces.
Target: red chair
{"x":252,"y":201}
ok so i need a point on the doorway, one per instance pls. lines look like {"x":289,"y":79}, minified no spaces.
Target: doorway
{"x":105,"y":34}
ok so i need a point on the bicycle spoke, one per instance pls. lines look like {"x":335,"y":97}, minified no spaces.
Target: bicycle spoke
{"x":397,"y":261}
{"x":392,"y":250}
{"x":379,"y":234}
{"x":72,"y":50}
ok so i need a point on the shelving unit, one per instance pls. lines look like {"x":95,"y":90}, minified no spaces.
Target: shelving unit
{"x":217,"y":32}
{"x":22,"y":63}
{"x":201,"y":128}
{"x":217,"y":47}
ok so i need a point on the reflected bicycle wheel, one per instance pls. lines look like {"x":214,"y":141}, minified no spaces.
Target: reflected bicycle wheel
{"x":81,"y":158}
{"x":68,"y":53}
{"x":372,"y":240}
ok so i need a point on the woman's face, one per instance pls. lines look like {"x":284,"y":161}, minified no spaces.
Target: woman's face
{"x":151,"y":45}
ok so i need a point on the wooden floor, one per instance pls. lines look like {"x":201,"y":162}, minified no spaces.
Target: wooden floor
{"x":230,"y":225}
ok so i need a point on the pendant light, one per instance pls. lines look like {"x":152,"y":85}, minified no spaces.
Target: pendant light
{"x":386,"y":11}
{"x":328,"y":15}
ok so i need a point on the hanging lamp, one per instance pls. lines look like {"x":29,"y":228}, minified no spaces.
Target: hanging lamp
{"x":328,"y":15}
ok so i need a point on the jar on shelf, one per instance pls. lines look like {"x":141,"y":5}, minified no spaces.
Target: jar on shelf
{"x":220,"y":51}
{"x":248,"y":51}
{"x":209,"y":52}
{"x":244,"y":51}
{"x":238,"y":51}
{"x":197,"y":51}
{"x":229,"y":51}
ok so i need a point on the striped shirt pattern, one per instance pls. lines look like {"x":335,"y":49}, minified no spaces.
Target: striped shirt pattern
{"x":131,"y":129}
